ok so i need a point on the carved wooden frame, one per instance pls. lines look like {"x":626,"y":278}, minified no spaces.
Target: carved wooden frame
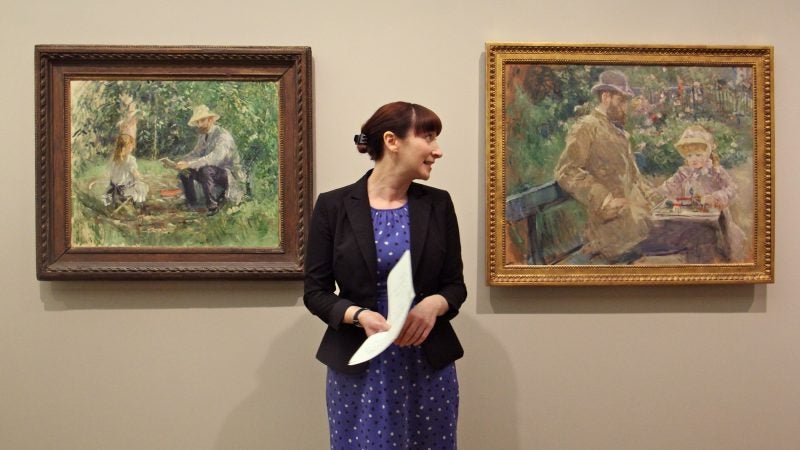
{"x":56,"y":65}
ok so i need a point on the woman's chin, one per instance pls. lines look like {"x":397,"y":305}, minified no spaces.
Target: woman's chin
{"x":426,"y":171}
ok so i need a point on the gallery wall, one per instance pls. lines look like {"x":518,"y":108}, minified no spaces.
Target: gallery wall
{"x":229,"y":365}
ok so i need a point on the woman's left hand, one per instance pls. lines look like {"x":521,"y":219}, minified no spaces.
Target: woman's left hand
{"x":421,"y":319}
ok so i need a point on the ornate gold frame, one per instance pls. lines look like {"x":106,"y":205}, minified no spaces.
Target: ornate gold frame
{"x":758,"y":58}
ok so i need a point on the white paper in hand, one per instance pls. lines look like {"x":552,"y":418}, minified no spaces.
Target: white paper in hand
{"x":400,"y":289}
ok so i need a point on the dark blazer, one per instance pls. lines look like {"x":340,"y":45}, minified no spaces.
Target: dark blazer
{"x":341,"y":250}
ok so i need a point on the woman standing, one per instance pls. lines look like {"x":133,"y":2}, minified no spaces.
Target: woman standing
{"x":407,"y":397}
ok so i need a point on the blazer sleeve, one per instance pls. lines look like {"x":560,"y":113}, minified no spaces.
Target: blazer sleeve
{"x":320,"y":284}
{"x":452,"y":288}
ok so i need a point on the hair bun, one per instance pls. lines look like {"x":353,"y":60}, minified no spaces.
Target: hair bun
{"x":362,"y":148}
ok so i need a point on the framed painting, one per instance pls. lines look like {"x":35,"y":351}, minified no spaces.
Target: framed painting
{"x":629,"y":164}
{"x":172,"y":162}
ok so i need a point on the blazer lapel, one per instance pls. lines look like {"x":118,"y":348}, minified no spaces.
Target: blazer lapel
{"x":419,"y":208}
{"x":358,"y":213}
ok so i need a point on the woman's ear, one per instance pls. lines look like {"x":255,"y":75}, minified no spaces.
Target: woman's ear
{"x":390,"y":141}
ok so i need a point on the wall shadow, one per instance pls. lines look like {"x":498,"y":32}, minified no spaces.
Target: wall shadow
{"x":64,"y":296}
{"x":595,"y":299}
{"x":287,"y":409}
{"x":623,"y":299}
{"x":489,"y":410}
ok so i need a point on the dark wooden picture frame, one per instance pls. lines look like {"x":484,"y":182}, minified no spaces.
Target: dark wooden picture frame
{"x":58,"y":257}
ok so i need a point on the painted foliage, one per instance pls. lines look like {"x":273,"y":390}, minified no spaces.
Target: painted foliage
{"x":129,"y":194}
{"x":544,"y":104}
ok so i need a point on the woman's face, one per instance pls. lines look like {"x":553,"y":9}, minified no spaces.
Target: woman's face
{"x":417,"y":154}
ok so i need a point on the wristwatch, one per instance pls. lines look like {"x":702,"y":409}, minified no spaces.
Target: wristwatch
{"x":355,"y":317}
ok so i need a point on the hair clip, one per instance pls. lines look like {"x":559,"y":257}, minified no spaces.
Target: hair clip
{"x":360,"y":139}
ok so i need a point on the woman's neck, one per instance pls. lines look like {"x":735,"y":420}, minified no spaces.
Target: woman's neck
{"x":386,"y":188}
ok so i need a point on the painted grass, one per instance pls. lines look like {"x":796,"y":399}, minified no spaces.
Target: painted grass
{"x":163,"y":220}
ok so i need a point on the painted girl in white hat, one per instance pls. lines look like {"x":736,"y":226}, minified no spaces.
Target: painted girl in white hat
{"x":702,"y":176}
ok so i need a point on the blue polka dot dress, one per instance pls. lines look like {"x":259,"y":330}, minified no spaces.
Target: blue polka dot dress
{"x":399,"y":402}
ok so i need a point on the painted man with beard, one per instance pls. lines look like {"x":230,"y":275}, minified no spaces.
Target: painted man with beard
{"x":598,"y":169}
{"x":214,"y":163}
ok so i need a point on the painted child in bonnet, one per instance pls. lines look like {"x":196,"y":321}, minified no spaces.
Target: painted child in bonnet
{"x":702,"y":177}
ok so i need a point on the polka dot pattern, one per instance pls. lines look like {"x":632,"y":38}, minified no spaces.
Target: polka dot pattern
{"x":399,"y":402}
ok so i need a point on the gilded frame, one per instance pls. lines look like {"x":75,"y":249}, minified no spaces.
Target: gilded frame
{"x":505,"y":209}
{"x":286,"y":74}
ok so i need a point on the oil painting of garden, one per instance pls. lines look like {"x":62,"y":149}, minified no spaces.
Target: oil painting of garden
{"x":553,"y":211}
{"x":174,"y":163}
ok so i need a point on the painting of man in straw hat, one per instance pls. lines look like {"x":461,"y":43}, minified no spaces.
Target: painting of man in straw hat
{"x":213,"y":163}
{"x":205,"y":171}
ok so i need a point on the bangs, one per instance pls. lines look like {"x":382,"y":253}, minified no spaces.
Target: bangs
{"x":426,"y":121}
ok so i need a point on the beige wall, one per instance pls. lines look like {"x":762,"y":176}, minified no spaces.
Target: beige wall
{"x":230,"y":365}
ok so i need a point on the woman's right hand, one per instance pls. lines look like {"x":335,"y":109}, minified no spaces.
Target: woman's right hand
{"x":373,"y":322}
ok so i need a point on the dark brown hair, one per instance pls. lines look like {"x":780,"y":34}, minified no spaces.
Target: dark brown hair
{"x":399,"y":118}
